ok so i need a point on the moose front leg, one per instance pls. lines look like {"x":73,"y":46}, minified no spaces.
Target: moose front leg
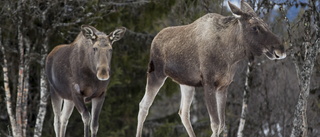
{"x":221,"y":97}
{"x":215,"y":99}
{"x":81,"y":107}
{"x":211,"y":104}
{"x":56,"y":105}
{"x":68,"y":106}
{"x":95,"y":112}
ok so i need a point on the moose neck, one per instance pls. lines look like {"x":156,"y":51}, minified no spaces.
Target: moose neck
{"x":232,"y":40}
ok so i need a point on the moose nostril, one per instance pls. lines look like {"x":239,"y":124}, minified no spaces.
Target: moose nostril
{"x":277,"y":56}
{"x":103,"y":71}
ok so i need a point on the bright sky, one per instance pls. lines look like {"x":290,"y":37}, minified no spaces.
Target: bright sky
{"x":292,"y":11}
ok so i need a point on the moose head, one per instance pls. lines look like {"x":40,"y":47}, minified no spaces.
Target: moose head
{"x":256,"y":33}
{"x":100,"y":49}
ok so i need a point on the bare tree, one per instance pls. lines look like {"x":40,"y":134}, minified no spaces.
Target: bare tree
{"x":304,"y":54}
{"x":244,"y":110}
{"x":7,"y":90}
{"x":18,"y":123}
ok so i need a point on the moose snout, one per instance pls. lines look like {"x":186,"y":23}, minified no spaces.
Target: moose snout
{"x":103,"y":73}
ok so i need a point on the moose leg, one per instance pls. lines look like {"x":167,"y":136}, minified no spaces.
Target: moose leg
{"x":56,"y":106}
{"x":187,"y":93}
{"x":154,"y":83}
{"x":68,"y":106}
{"x":81,"y":107}
{"x":95,"y":112}
{"x":221,"y":97}
{"x":211,"y":104}
{"x":216,"y":102}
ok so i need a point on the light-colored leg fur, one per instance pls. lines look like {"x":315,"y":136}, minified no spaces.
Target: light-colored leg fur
{"x":152,"y":88}
{"x":97,"y":104}
{"x":216,"y":102}
{"x":211,"y":104}
{"x":56,"y":106}
{"x":221,"y":104}
{"x":187,"y":94}
{"x":67,"y":110}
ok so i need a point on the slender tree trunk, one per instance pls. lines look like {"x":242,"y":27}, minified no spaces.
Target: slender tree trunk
{"x":300,"y":125}
{"x":20,"y":83}
{"x":245,"y":100}
{"x":21,"y":72}
{"x":25,"y":88}
{"x":7,"y":91}
{"x":43,"y":92}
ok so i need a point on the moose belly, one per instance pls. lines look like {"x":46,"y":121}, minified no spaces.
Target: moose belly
{"x":184,"y":74}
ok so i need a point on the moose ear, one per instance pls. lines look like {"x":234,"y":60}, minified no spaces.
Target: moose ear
{"x":235,"y":10}
{"x":117,"y":34}
{"x":245,"y":7}
{"x":88,"y":32}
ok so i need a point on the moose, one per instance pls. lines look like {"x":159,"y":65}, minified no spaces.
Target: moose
{"x":205,"y":54}
{"x":79,"y":73}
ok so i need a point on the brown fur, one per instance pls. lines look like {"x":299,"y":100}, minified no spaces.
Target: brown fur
{"x":205,"y":53}
{"x":79,"y":72}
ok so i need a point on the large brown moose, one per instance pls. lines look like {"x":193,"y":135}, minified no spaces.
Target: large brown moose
{"x":205,"y":54}
{"x":78,"y":73}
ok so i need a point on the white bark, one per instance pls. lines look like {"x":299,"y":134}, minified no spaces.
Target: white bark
{"x":24,"y":101}
{"x":43,"y":93}
{"x":245,"y":101}
{"x":300,"y":125}
{"x":20,"y":84}
{"x":7,"y":91}
{"x":19,"y":108}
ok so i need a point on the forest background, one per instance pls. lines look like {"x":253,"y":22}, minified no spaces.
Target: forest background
{"x":282,"y":97}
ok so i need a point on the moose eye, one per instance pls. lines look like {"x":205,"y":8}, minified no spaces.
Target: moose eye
{"x":95,"y":49}
{"x":256,"y":28}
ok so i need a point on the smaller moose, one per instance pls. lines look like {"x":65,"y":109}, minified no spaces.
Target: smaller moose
{"x":78,"y":73}
{"x":205,"y":54}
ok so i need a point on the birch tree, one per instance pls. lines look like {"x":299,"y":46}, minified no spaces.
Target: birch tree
{"x":18,"y":120}
{"x":304,"y":59}
{"x":7,"y":90}
{"x":246,"y":94}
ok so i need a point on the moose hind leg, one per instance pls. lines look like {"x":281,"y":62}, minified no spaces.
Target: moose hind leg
{"x":154,"y":83}
{"x":68,"y":106}
{"x":56,"y":106}
{"x":187,"y":94}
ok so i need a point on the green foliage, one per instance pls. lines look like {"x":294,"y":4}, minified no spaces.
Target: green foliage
{"x":165,"y":130}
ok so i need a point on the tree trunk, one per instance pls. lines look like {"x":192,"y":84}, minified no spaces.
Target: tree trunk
{"x":245,"y":100}
{"x":300,"y":125}
{"x":43,"y":92}
{"x":7,"y":91}
{"x":25,"y":95}
{"x":20,"y":83}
